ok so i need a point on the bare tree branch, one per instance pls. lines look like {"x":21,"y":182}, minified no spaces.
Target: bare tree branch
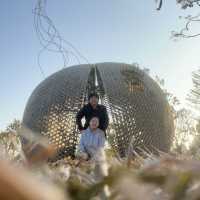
{"x":186,"y":31}
{"x":159,"y":4}
{"x":190,"y":20}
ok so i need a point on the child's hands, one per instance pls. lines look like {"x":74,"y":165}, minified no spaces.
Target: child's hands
{"x":82,"y":156}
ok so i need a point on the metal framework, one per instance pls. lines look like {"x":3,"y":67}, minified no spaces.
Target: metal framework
{"x":138,"y":109}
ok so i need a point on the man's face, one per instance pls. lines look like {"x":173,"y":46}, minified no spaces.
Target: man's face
{"x":94,"y":123}
{"x":93,"y":101}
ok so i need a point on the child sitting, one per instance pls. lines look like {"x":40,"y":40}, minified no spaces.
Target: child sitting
{"x":92,"y":140}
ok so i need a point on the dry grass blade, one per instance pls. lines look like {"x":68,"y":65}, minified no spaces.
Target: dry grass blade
{"x":36,"y":149}
{"x":18,"y":184}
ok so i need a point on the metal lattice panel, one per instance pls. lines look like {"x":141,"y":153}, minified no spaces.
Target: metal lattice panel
{"x":138,"y":108}
{"x":136,"y":105}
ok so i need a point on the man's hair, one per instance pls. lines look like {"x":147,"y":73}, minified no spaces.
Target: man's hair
{"x":93,"y":95}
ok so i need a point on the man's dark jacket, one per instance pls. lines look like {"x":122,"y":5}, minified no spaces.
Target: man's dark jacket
{"x":88,"y":112}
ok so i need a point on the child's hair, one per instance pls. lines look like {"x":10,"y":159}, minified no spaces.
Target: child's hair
{"x":94,"y":117}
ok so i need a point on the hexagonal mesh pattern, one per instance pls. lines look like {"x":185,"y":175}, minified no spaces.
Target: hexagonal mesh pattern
{"x":138,"y":110}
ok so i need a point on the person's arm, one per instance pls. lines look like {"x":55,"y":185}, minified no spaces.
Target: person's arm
{"x":81,"y":153}
{"x":102,"y":140}
{"x":79,"y":116}
{"x":81,"y":147}
{"x":105,"y":119}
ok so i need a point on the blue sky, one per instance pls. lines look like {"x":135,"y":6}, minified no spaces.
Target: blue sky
{"x":103,"y":30}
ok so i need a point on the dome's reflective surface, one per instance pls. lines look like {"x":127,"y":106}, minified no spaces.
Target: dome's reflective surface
{"x":138,"y":110}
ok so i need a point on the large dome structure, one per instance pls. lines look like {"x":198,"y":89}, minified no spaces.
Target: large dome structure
{"x":138,"y":110}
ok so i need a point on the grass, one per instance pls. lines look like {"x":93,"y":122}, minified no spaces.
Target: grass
{"x":147,"y":177}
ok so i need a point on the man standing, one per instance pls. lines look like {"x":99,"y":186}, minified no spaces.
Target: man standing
{"x":93,"y":109}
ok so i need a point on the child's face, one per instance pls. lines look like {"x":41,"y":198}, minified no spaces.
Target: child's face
{"x":94,"y":123}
